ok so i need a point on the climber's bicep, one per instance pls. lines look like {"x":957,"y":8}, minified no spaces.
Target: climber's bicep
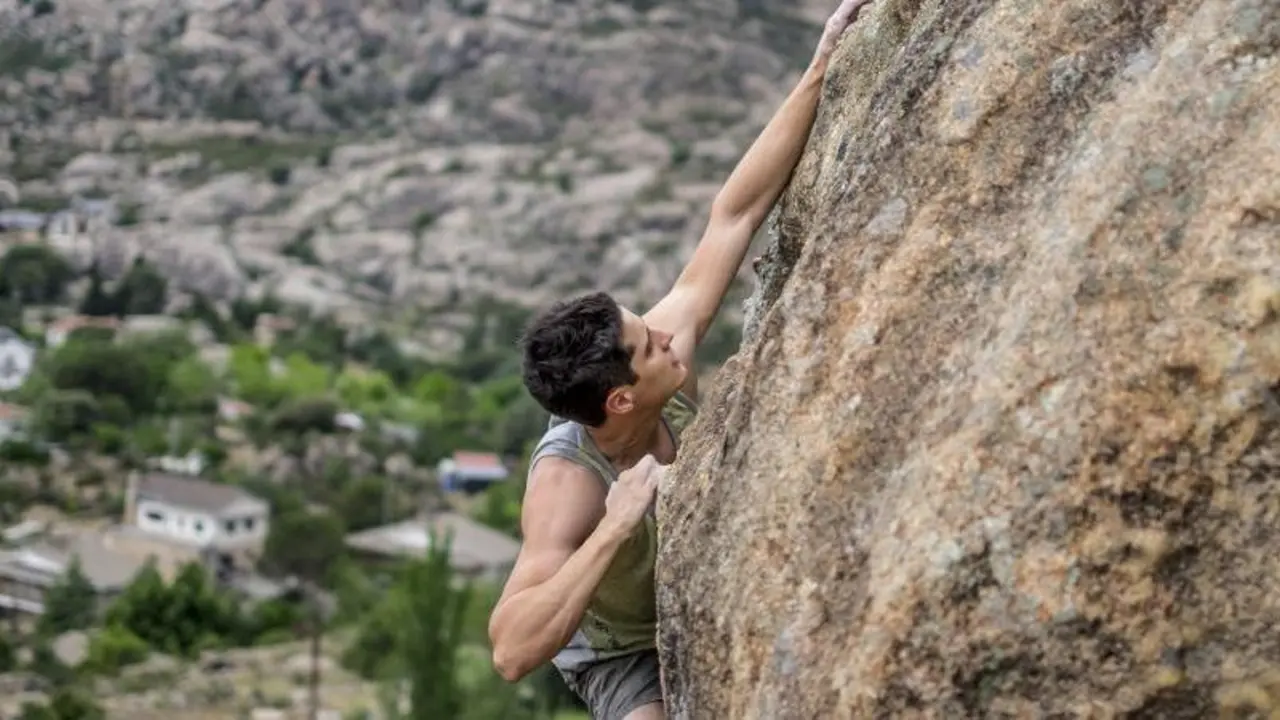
{"x":563,"y":503}
{"x":533,"y":567}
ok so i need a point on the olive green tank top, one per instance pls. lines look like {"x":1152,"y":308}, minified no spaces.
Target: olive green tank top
{"x":621,"y":617}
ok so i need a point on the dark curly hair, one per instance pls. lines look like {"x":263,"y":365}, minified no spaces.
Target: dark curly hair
{"x":573,"y":357}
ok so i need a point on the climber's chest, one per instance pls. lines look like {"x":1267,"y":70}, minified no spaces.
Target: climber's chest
{"x":664,"y":446}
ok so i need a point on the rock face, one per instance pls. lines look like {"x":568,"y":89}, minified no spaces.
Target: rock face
{"x":1006,"y":442}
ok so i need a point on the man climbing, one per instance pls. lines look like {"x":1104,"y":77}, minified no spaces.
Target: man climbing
{"x":620,"y":388}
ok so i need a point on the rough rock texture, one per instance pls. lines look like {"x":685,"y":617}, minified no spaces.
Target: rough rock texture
{"x":1007,"y":440}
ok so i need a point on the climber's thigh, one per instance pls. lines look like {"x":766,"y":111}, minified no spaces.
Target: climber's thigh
{"x":624,"y":688}
{"x":652,"y":711}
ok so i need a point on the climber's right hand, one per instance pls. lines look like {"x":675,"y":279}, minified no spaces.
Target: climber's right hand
{"x":632,"y":495}
{"x":840,"y":20}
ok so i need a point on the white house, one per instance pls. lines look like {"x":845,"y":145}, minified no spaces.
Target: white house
{"x":21,"y":220}
{"x":16,"y":359}
{"x":224,"y":520}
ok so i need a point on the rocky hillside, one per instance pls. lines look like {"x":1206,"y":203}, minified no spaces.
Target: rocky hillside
{"x":393,"y":158}
{"x":1006,"y":440}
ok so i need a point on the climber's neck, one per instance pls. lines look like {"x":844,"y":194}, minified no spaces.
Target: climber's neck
{"x":626,"y":440}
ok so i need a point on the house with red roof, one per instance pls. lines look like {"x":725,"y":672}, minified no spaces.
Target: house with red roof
{"x":470,"y":471}
{"x":59,"y":330}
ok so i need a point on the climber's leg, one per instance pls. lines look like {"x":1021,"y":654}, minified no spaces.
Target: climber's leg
{"x":623,"y":688}
{"x":652,"y":711}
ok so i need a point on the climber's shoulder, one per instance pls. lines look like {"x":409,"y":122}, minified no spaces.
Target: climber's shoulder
{"x":563,"y":502}
{"x":558,"y":515}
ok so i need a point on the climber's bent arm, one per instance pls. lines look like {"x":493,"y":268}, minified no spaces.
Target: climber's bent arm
{"x":568,"y":545}
{"x":738,"y":211}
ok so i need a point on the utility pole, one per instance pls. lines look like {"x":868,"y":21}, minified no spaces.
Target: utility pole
{"x":386,"y":497}
{"x":314,"y":690}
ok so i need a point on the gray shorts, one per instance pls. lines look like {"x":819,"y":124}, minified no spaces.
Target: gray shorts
{"x":613,"y":688}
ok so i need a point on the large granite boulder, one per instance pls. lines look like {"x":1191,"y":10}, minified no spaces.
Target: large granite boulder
{"x":1005,"y":438}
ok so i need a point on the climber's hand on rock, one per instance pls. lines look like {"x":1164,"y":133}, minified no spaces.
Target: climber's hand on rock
{"x":837,"y":24}
{"x":632,"y":495}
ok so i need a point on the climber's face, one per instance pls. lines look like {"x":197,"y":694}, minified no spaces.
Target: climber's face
{"x":659,"y":372}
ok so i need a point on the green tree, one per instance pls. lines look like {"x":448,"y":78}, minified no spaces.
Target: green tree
{"x":356,"y":591}
{"x":378,"y":632}
{"x":197,"y":615}
{"x":142,"y":290}
{"x":204,"y":311}
{"x":71,"y":604}
{"x":141,"y":608}
{"x":430,"y":618}
{"x":365,"y":503}
{"x":273,"y":619}
{"x":179,"y":619}
{"x":368,"y":392}
{"x":308,"y":546}
{"x":442,"y":390}
{"x":320,"y":338}
{"x":192,"y":386}
{"x":34,"y":274}
{"x":499,"y":506}
{"x":45,"y":663}
{"x":249,"y":368}
{"x":302,"y":377}
{"x":516,"y":422}
{"x":305,"y":415}
{"x":304,"y":544}
{"x":10,"y":312}
{"x":136,"y":373}
{"x":245,"y":312}
{"x":8,"y":654}
{"x":113,"y":648}
{"x":63,"y":414}
{"x":66,"y":703}
{"x":380,"y":350}
{"x":97,"y":302}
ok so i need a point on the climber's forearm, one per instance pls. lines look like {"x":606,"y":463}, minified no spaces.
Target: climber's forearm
{"x":530,"y":627}
{"x":738,"y":212}
{"x":764,"y":171}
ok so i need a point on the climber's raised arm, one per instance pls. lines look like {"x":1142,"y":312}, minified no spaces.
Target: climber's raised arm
{"x":572,"y":530}
{"x":742,"y":205}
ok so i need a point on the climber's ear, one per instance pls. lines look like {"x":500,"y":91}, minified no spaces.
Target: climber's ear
{"x":621,"y":400}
